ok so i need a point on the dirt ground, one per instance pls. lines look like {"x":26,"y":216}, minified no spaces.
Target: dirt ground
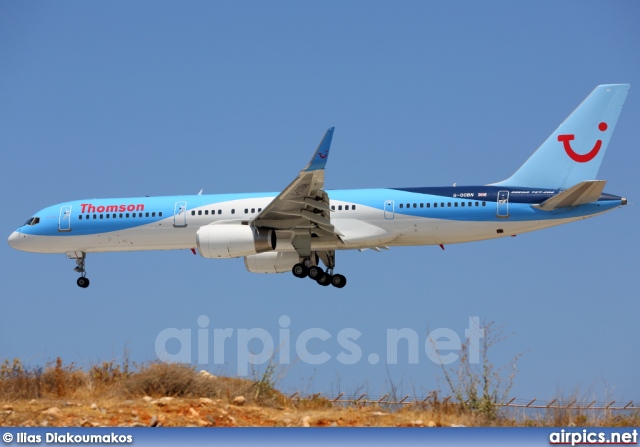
{"x":205,"y":412}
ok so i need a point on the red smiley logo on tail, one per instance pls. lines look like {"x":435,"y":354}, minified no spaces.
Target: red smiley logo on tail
{"x":323,"y":156}
{"x":582,"y":158}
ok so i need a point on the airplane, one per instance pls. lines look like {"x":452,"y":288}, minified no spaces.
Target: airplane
{"x":305,"y":224}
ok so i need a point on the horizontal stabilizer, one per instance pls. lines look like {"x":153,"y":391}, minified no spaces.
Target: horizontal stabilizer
{"x":584,"y":192}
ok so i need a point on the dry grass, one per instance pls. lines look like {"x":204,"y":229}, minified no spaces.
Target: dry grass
{"x":155,"y":379}
{"x":109,"y":394}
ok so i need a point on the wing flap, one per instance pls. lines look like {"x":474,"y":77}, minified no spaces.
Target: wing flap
{"x":584,"y":192}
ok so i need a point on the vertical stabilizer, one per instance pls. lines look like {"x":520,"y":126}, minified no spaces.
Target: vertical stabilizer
{"x":574,"y":152}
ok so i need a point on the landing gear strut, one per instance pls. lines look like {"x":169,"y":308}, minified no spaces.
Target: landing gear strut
{"x":80,"y":257}
{"x":315,"y":272}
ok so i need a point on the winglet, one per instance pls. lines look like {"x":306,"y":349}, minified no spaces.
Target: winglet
{"x":319,"y":159}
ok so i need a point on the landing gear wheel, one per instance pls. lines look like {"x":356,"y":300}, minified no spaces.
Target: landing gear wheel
{"x":300,"y":271}
{"x":338,"y":281}
{"x":83,"y":282}
{"x":315,"y":272}
{"x":324,"y":279}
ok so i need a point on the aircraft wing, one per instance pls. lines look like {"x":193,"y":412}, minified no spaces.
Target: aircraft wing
{"x":303,"y":206}
{"x":584,"y":192}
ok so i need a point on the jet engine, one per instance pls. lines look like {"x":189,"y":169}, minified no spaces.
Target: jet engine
{"x":273,"y":262}
{"x":233,"y":241}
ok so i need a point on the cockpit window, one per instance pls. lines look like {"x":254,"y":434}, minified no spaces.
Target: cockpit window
{"x":32,"y":221}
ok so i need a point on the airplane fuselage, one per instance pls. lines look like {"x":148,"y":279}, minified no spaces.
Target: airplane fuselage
{"x":367,"y":218}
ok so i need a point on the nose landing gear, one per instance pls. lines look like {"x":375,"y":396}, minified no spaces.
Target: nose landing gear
{"x":80,"y":257}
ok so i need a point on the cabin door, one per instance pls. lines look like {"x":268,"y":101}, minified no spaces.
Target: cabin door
{"x":388,"y":209}
{"x":503,"y":204}
{"x":180,"y":214}
{"x":64,"y":220}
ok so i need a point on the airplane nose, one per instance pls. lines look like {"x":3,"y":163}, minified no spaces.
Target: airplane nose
{"x":14,"y":240}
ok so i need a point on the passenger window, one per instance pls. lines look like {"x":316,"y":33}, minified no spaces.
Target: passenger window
{"x":462,"y":204}
{"x":421,"y":205}
{"x":428,"y":205}
{"x":401,"y":205}
{"x":455,"y":204}
{"x":233,"y":211}
{"x":259,"y":210}
{"x":199,"y":212}
{"x":127,"y":215}
{"x":484,"y":203}
{"x":153,"y":214}
{"x":120,"y":215}
{"x":408,"y":205}
{"x":346,"y":207}
{"x":435,"y":205}
{"x":253,"y":210}
{"x":95,"y":216}
{"x":100,"y":216}
{"x":246,"y":210}
{"x":339,"y":207}
{"x":219,"y":211}
{"x":107,"y":216}
{"x":477,"y":203}
{"x":160,"y":214}
{"x":147,"y":215}
{"x":333,"y":207}
{"x":441,"y":204}
{"x":193,"y":213}
{"x":415,"y":205}
{"x":80,"y":217}
{"x":449,"y":204}
{"x":353,"y":207}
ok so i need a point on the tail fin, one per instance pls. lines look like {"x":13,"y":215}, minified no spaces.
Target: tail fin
{"x":574,"y":152}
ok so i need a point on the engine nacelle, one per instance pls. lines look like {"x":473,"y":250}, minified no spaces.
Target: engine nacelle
{"x":233,"y":241}
{"x":274,"y":262}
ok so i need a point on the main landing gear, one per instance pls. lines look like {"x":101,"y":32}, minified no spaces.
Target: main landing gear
{"x":83,"y":281}
{"x":324,"y":278}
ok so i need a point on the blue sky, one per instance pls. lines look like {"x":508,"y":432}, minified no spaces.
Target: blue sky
{"x":117,"y":99}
